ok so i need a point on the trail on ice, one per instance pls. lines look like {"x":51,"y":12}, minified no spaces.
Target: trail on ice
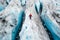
{"x":33,"y":29}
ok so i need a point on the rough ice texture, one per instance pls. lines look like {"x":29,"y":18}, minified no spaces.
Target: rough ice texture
{"x":31,"y":29}
{"x":8,"y":19}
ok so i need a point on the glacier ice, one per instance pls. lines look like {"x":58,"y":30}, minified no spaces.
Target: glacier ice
{"x":16,"y":25}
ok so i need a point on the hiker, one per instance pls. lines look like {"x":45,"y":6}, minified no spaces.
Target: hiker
{"x":30,"y":16}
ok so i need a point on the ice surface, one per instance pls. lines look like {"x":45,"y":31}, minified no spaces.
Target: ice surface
{"x":12,"y":23}
{"x":32,"y":29}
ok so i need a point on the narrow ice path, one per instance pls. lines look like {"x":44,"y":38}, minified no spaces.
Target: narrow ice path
{"x":32,"y":29}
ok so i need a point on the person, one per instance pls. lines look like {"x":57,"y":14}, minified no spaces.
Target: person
{"x":30,"y":15}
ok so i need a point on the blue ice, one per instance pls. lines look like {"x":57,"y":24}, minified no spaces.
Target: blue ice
{"x":52,"y":27}
{"x":19,"y":25}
